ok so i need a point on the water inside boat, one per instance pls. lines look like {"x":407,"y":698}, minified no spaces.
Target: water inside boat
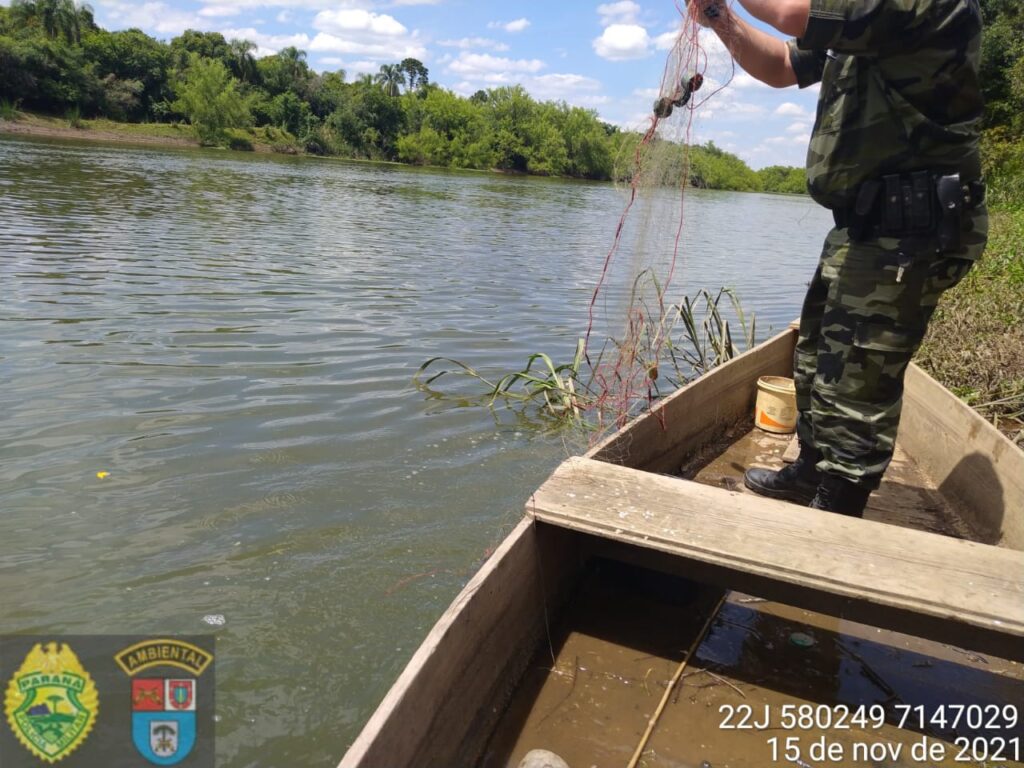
{"x":592,"y":687}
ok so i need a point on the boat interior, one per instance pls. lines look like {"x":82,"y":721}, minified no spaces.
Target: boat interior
{"x":649,"y":611}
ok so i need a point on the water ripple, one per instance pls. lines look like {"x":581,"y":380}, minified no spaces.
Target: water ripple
{"x":232,"y":338}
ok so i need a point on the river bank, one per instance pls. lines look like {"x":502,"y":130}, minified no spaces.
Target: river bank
{"x":975,"y":343}
{"x":168,"y":135}
{"x":98,"y":130}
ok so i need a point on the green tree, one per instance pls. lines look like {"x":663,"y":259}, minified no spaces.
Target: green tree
{"x":586,"y":140}
{"x":48,"y":75}
{"x":1002,"y":50}
{"x":57,"y":18}
{"x":328,"y":92}
{"x":511,"y":110}
{"x":713,"y":168}
{"x":122,"y":99}
{"x":445,"y":130}
{"x":290,"y":113}
{"x":130,"y":56}
{"x":242,"y":61}
{"x":287,"y":70}
{"x":782,"y":178}
{"x":417,"y":76}
{"x":208,"y":96}
{"x":390,"y":78}
{"x":207,"y":45}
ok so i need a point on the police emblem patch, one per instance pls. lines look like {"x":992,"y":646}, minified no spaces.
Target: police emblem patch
{"x":164,"y":718}
{"x":51,"y":702}
{"x":164,"y":728}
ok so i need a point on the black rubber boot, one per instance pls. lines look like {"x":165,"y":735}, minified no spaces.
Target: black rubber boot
{"x":837,"y":494}
{"x":796,"y":482}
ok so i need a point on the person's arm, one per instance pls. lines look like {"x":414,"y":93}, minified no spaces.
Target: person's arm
{"x":765,"y":57}
{"x":788,"y":16}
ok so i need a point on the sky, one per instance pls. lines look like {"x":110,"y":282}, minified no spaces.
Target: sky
{"x":608,"y":56}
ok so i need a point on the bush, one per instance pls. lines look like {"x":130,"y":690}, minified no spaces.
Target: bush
{"x":74,"y":117}
{"x":9,"y":109}
{"x":781,"y":178}
{"x":208,"y":95}
{"x":240,"y":144}
{"x":1003,"y":159}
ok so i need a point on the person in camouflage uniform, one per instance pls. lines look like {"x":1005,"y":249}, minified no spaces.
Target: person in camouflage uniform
{"x":894,"y":155}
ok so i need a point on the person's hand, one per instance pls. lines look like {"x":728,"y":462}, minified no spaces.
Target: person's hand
{"x":706,"y":12}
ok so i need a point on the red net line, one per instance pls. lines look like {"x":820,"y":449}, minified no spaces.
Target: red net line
{"x":627,"y":381}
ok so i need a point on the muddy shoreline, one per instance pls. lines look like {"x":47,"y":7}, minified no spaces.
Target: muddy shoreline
{"x":27,"y":128}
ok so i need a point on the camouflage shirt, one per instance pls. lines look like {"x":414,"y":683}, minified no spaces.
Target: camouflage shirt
{"x":900,"y":91}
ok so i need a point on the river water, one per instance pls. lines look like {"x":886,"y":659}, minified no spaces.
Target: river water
{"x":232,"y":338}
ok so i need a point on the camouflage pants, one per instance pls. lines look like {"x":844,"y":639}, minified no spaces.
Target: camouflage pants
{"x":859,"y":328}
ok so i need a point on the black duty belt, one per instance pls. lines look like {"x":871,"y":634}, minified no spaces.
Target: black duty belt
{"x":921,"y":204}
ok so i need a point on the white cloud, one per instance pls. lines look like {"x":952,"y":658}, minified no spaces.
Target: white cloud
{"x":155,"y":16}
{"x":267,"y":45}
{"x":743,"y":80}
{"x":575,"y":89}
{"x":789,"y":109}
{"x":798,"y":127}
{"x":474,"y":42}
{"x":621,"y":42}
{"x":623,"y":12}
{"x":666,"y":41}
{"x":378,"y":50}
{"x":359,"y":21}
{"x":482,"y":66}
{"x":510,"y":26}
{"x":355,"y":68}
{"x":217,"y":11}
{"x":358,"y":32}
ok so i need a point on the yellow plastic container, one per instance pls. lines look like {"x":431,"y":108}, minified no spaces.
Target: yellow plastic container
{"x":776,"y":404}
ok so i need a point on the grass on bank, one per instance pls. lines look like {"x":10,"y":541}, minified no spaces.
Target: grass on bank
{"x":975,"y":343}
{"x":262,"y":139}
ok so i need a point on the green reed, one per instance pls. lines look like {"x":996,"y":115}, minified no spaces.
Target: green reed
{"x":675,"y":345}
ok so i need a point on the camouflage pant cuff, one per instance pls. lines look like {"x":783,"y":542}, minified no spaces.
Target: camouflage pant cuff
{"x":870,"y":482}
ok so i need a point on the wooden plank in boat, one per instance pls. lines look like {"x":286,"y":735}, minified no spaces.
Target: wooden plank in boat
{"x":945,"y":589}
{"x":969,"y":460}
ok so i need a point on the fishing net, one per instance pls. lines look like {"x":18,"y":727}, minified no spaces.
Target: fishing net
{"x":638,"y":344}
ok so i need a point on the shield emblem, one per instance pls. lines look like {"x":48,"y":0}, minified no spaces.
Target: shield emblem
{"x":51,"y":702}
{"x":181,"y":694}
{"x":164,"y":734}
{"x":163,"y":737}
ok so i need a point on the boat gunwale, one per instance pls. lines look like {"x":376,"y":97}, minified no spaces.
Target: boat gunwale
{"x":660,"y":456}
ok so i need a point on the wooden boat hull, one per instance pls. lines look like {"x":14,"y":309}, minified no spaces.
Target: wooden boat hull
{"x":444,"y":706}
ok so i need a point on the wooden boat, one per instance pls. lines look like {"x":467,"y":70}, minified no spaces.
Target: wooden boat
{"x":927,"y":591}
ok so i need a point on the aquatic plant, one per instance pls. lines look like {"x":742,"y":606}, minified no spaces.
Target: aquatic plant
{"x":557,"y":390}
{"x":676,"y":346}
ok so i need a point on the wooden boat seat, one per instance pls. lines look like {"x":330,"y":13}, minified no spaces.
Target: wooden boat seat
{"x":946,"y":589}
